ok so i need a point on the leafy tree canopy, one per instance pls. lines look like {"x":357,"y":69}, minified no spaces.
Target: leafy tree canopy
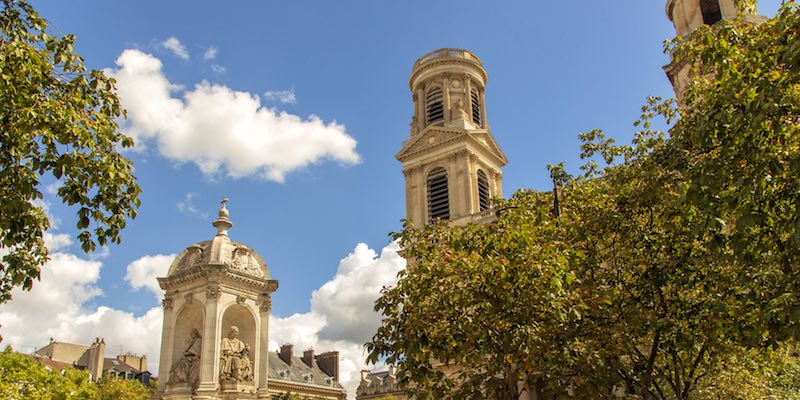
{"x":55,"y":118}
{"x":22,"y":377}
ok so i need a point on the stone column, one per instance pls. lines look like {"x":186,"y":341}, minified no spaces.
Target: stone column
{"x":209,"y":374}
{"x":446,"y":92}
{"x":167,"y":330}
{"x":484,"y":120}
{"x":420,"y":108}
{"x":468,"y":95}
{"x":263,"y":348}
{"x":471,"y":194}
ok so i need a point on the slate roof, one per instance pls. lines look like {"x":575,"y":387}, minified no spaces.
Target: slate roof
{"x":299,"y":372}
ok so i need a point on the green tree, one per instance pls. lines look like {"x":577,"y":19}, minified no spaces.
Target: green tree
{"x":749,"y":374}
{"x":22,"y":377}
{"x":122,"y":389}
{"x":480,"y":308}
{"x":55,"y":118}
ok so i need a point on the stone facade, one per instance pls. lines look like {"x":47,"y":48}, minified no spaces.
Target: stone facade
{"x":92,"y":359}
{"x":380,"y":385}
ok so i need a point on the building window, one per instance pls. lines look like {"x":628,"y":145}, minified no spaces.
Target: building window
{"x":483,"y":191}
{"x":438,"y":198}
{"x":476,"y":106}
{"x":434,"y":104}
{"x":711,"y":12}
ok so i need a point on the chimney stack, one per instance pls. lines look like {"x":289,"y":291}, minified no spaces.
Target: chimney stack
{"x":308,"y":358}
{"x":329,"y":363}
{"x":286,"y":353}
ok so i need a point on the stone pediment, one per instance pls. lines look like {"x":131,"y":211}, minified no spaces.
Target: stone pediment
{"x":438,"y":137}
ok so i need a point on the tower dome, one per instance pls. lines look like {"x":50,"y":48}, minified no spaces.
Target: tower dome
{"x":220,"y":251}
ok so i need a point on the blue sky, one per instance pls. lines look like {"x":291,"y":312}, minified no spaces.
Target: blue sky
{"x":555,"y":69}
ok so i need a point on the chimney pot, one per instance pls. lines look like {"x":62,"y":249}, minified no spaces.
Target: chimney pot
{"x":287,"y":350}
{"x":309,"y":359}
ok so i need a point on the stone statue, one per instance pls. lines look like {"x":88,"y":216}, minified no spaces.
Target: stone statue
{"x":414,"y":125}
{"x":235,"y":362}
{"x":458,"y":112}
{"x":186,"y":370}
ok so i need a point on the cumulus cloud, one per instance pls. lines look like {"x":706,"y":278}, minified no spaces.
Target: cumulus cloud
{"x":59,"y":307}
{"x":222,"y":130}
{"x":175,"y":47}
{"x":143,"y":272}
{"x":210,"y":54}
{"x":341,"y":316}
{"x":281,"y":96}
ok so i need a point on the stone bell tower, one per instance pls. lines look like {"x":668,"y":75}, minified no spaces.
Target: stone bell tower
{"x":214,"y":343}
{"x":451,"y":162}
{"x":688,"y":15}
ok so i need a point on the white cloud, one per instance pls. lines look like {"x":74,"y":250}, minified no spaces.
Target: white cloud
{"x":59,"y":307}
{"x":222,"y":130}
{"x":210,"y":54}
{"x":174,"y":45}
{"x":342,"y":316}
{"x":188,"y":206}
{"x":281,"y":96}
{"x":218,"y":69}
{"x":143,"y":272}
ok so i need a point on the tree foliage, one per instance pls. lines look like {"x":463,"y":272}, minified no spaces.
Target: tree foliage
{"x":55,"y":118}
{"x":658,"y":264}
{"x":22,"y":377}
{"x":122,"y":389}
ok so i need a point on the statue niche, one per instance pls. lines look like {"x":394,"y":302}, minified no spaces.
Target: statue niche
{"x":186,"y":369}
{"x":235,"y":364}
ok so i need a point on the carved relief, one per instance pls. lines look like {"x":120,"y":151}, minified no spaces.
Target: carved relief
{"x":212,"y":293}
{"x":193,"y":256}
{"x":188,"y":298}
{"x":244,"y":262}
{"x":266,"y":304}
{"x":167,"y":303}
{"x":240,"y":299}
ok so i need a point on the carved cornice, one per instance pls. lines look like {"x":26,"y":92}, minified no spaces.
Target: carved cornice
{"x":281,"y":386}
{"x":220,"y":274}
{"x":446,"y":137}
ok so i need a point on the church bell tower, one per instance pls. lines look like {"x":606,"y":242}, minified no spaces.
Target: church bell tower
{"x":688,"y":15}
{"x":451,"y":162}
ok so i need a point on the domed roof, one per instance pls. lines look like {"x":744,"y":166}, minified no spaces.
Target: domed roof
{"x":220,"y":251}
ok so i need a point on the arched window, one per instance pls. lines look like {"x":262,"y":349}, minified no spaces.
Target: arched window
{"x":711,"y":11}
{"x":434,"y":104}
{"x":476,"y":106}
{"x":483,"y":191}
{"x":438,"y":198}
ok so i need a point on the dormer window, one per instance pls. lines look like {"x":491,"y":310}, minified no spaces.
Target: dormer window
{"x":438,"y":196}
{"x":711,"y":11}
{"x":434,"y":104}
